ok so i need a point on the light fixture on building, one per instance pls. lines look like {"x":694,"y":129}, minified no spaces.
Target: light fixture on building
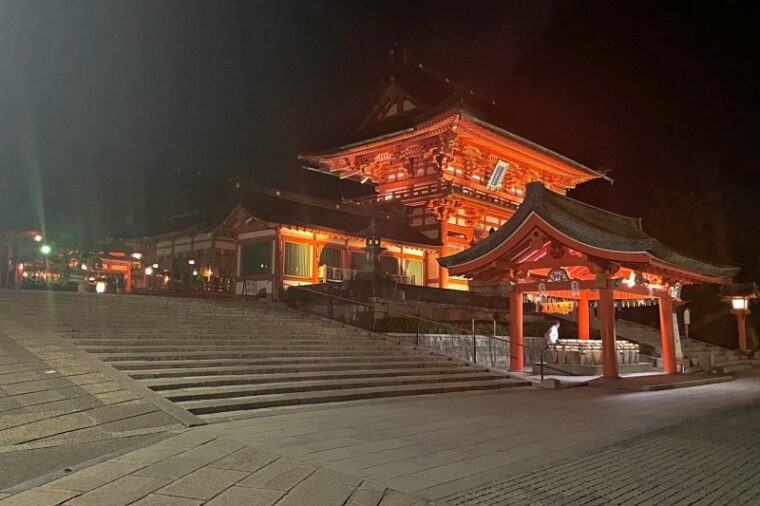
{"x":137,"y":256}
{"x":84,"y":267}
{"x":191,"y":262}
{"x":100,"y":287}
{"x":149,"y":271}
{"x":38,"y":238}
{"x":155,"y":266}
{"x":195,"y":272}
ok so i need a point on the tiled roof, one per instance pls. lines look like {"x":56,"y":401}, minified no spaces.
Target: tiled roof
{"x":437,"y":97}
{"x":274,"y":209}
{"x":591,"y":226}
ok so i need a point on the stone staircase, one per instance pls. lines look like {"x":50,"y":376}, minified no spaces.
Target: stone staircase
{"x":698,"y":356}
{"x":216,"y":359}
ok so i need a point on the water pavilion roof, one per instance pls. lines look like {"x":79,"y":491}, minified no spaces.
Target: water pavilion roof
{"x":592,"y":235}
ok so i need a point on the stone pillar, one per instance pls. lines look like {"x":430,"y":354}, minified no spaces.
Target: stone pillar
{"x":607,"y":327}
{"x":583,"y":318}
{"x":516,"y":344}
{"x":666,"y":335}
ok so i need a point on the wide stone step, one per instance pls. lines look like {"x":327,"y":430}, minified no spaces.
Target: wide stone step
{"x":252,"y":344}
{"x":137,"y":365}
{"x":229,"y":392}
{"x":107,"y":346}
{"x":254,"y":379}
{"x":117,"y":331}
{"x":243,"y":351}
{"x":310,"y":333}
{"x":265,"y":401}
{"x":184,"y":372}
{"x":728,"y":368}
{"x":732,"y":358}
{"x":255,"y":358}
{"x":220,"y":357}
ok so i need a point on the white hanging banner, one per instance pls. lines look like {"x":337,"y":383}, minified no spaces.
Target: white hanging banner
{"x":677,"y":342}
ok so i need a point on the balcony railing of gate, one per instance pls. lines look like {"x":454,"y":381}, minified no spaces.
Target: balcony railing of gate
{"x":466,"y":344}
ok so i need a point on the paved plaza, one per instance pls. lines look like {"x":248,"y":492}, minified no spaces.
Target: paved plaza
{"x":711,"y":461}
{"x":59,"y":408}
{"x":76,"y":432}
{"x":572,"y":446}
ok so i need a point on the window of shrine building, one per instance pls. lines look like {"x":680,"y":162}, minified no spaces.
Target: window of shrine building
{"x":414,"y":271}
{"x":256,"y":258}
{"x":331,"y":257}
{"x":389,"y":264}
{"x":298,"y":259}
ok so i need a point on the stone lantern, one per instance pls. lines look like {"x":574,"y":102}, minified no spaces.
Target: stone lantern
{"x":739,"y":295}
{"x":373,"y":247}
{"x":371,"y":281}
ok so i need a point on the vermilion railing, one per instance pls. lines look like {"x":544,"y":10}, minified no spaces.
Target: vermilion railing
{"x":433,"y":189}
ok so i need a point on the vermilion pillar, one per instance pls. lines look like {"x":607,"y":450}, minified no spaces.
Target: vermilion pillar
{"x":607,"y":328}
{"x":516,"y":347}
{"x":583,"y":319}
{"x":666,"y":335}
{"x":741,"y":319}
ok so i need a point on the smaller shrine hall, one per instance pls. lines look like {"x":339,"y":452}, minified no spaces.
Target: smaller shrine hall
{"x":556,"y":246}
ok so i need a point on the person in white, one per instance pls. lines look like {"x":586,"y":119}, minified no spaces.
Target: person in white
{"x":552,"y":335}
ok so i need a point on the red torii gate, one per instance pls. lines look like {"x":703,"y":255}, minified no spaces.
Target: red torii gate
{"x":558,"y":246}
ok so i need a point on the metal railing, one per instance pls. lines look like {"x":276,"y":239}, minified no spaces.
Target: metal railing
{"x":443,"y":337}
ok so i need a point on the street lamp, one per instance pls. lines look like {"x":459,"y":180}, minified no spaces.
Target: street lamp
{"x":45,"y":249}
{"x":38,"y":238}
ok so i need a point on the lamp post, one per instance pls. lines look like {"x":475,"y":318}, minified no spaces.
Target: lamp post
{"x":45,"y":249}
{"x":740,"y":307}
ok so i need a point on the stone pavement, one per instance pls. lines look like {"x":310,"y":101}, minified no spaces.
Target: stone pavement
{"x":196,"y":468}
{"x":437,"y":446}
{"x":713,"y":461}
{"x":457,"y":447}
{"x":57,"y":410}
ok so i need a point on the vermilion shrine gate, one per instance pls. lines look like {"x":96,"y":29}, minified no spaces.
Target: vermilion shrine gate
{"x":558,"y":246}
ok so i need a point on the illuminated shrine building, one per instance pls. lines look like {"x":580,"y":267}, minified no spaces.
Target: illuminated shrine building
{"x":445,"y":173}
{"x":441,"y":153}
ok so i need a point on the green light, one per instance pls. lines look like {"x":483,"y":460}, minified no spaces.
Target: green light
{"x":45,"y":249}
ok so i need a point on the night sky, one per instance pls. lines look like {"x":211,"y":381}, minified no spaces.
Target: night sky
{"x":108,"y":109}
